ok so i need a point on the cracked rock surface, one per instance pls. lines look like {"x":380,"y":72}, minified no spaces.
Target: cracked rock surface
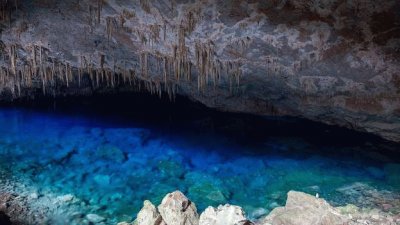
{"x":333,"y":61}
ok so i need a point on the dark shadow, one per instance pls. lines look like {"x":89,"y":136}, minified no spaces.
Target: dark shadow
{"x":4,"y":219}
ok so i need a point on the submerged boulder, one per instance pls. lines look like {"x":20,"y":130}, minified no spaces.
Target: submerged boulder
{"x":148,"y":215}
{"x":177,"y":209}
{"x":304,"y":209}
{"x":223,"y":215}
{"x":94,"y":218}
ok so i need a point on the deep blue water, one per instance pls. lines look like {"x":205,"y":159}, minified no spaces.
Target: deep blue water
{"x":114,"y":155}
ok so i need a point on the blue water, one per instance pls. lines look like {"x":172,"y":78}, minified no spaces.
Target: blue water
{"x":115,"y":164}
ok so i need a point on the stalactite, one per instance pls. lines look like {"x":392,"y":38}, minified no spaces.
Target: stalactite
{"x":111,"y":25}
{"x":144,"y":64}
{"x":155,"y":33}
{"x":99,"y":8}
{"x":66,"y":74}
{"x":34,"y":62}
{"x":13,"y":58}
{"x":165,"y":69}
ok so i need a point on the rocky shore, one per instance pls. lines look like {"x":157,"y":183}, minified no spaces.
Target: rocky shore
{"x":300,"y":209}
{"x":177,"y":209}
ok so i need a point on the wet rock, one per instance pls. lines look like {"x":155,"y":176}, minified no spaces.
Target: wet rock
{"x":148,"y":215}
{"x":94,"y":218}
{"x":223,"y":215}
{"x":304,"y":209}
{"x":259,"y":212}
{"x":177,"y":209}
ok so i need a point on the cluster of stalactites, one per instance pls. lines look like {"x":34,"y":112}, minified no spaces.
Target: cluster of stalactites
{"x":157,"y":72}
{"x":6,"y":8}
{"x":41,"y":70}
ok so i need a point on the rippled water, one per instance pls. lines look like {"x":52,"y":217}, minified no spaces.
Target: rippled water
{"x":114,"y":161}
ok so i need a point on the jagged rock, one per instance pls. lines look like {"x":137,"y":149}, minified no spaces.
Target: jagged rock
{"x":304,"y":209}
{"x":223,"y":215}
{"x":177,"y":209}
{"x":148,"y":215}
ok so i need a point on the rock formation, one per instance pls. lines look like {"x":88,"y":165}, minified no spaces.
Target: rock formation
{"x":300,"y":209}
{"x":223,"y":215}
{"x":176,"y":209}
{"x":303,"y":209}
{"x":331,"y":61}
{"x":148,"y":215}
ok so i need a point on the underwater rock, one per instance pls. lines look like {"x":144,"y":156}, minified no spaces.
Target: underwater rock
{"x":148,"y":215}
{"x":209,"y":188}
{"x":392,"y":173}
{"x":208,"y":191}
{"x":260,"y":212}
{"x":66,"y":198}
{"x":304,"y":209}
{"x":111,"y":153}
{"x":177,"y":209}
{"x":223,"y":215}
{"x":94,"y":218}
{"x":102,"y":180}
{"x":170,"y":168}
{"x":34,"y":195}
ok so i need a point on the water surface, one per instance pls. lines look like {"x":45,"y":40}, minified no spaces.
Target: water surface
{"x":112,"y":156}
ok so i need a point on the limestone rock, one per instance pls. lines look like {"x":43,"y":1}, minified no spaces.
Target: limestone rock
{"x":223,"y":215}
{"x":148,"y":215}
{"x":304,"y":209}
{"x":177,"y":209}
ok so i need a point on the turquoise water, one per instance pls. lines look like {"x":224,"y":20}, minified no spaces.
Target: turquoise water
{"x":114,"y":162}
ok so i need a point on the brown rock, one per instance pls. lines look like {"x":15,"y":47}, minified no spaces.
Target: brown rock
{"x":177,"y":209}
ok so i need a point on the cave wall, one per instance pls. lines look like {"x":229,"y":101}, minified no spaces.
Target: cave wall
{"x":333,"y":61}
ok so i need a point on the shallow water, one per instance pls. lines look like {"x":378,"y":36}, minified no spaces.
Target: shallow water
{"x":114,"y":162}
